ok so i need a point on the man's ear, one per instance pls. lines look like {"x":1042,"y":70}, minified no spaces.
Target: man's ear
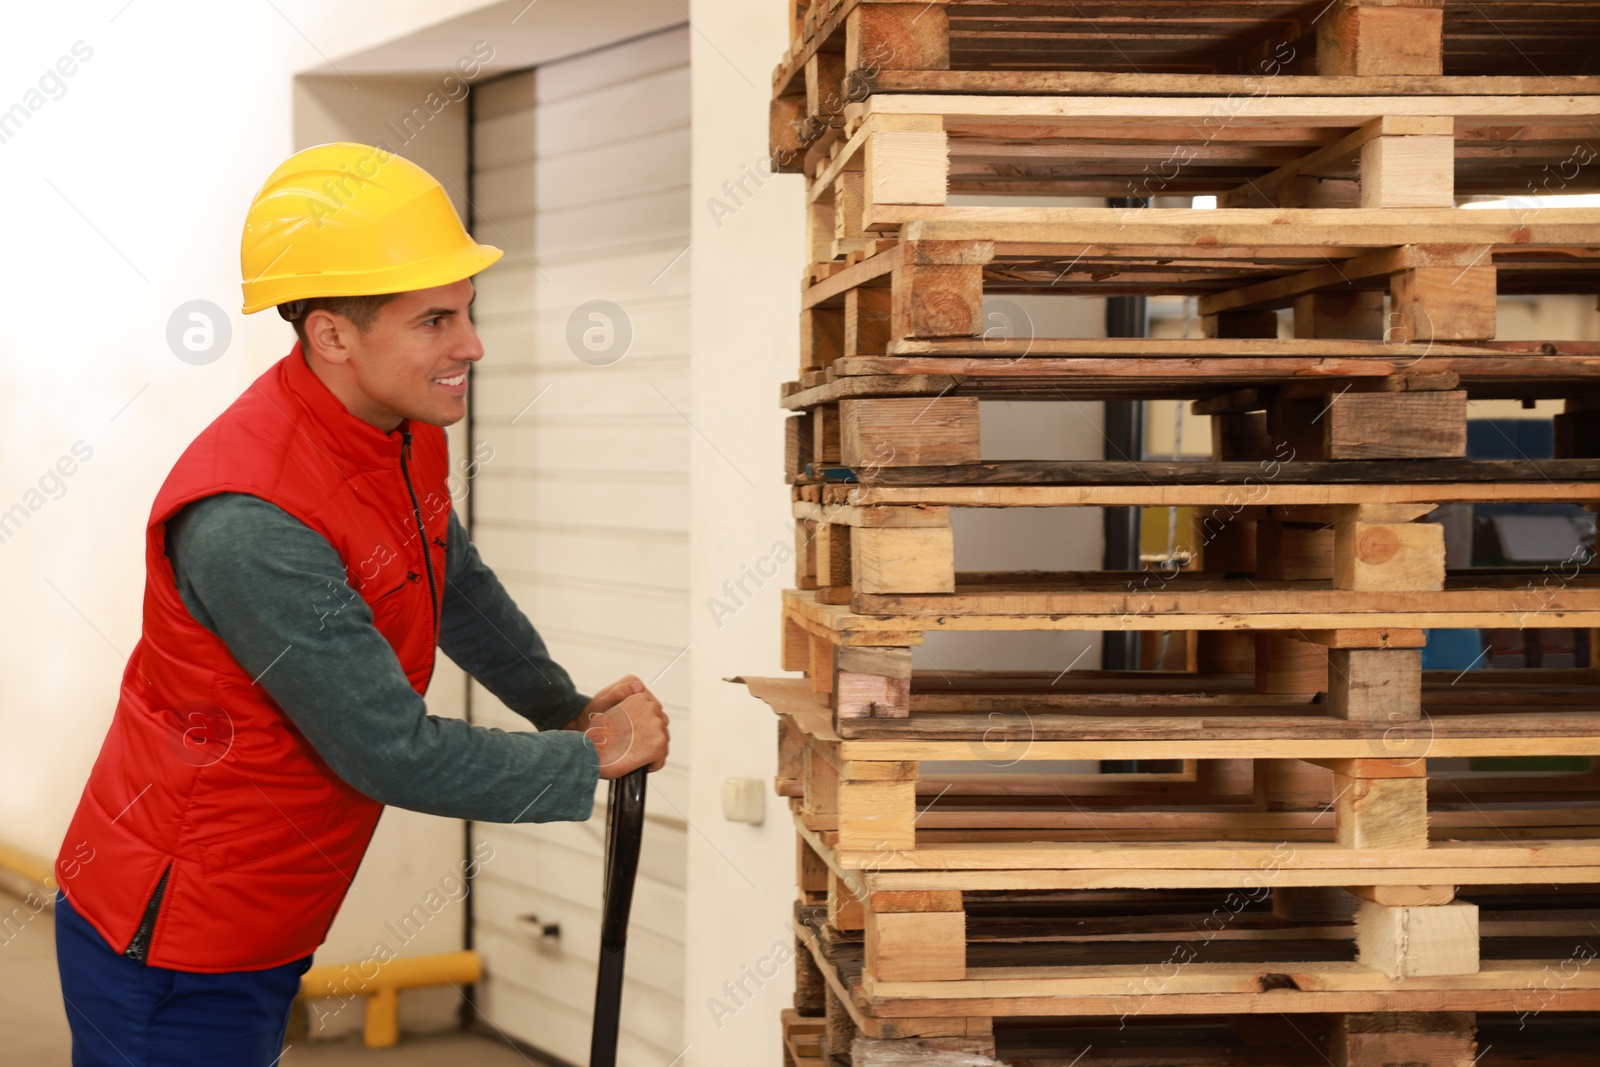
{"x":329,"y":335}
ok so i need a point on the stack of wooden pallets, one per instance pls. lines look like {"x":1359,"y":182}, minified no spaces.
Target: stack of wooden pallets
{"x":1315,"y":873}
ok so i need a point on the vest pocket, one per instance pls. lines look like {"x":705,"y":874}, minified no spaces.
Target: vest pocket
{"x":139,"y":946}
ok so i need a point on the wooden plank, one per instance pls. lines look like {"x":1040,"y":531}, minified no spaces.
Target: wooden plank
{"x":1162,"y":490}
{"x":1265,"y":479}
{"x":1501,"y":101}
{"x":1264,"y":227}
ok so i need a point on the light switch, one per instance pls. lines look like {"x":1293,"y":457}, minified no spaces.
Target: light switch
{"x":744,"y":800}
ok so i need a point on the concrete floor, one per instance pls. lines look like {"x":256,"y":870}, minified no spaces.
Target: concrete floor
{"x":33,"y":1023}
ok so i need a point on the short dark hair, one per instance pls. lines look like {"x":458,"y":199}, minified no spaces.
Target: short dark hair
{"x":360,"y":310}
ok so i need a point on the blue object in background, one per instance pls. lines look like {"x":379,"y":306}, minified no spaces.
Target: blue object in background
{"x":1453,"y":650}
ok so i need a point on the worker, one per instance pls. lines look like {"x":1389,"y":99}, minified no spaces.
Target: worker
{"x":303,"y":560}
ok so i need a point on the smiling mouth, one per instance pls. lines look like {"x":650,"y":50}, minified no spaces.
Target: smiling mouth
{"x":459,"y":379}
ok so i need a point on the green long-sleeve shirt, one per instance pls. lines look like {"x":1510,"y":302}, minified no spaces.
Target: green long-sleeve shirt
{"x":260,"y":580}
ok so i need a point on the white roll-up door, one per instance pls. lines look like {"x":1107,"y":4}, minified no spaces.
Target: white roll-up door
{"x":581,"y":428}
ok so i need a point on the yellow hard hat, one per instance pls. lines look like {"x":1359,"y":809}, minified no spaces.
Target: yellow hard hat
{"x":350,"y":219}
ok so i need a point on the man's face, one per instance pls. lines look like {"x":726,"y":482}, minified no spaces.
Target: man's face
{"x":413,"y":362}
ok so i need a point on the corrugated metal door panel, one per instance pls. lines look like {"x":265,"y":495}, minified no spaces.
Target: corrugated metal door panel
{"x":580,"y":173}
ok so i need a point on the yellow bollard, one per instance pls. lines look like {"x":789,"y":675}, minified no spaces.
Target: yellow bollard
{"x":382,"y":987}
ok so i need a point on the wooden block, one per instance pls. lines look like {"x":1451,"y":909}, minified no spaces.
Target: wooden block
{"x":825,"y":433}
{"x":892,"y":662}
{"x":796,"y":646}
{"x":912,"y":946}
{"x":898,"y":37}
{"x":846,"y":903}
{"x":821,"y":793}
{"x":1313,"y":903}
{"x":786,"y":132}
{"x":1341,"y":316}
{"x":809,"y":983}
{"x":907,"y":166}
{"x":1227,"y":540}
{"x":1411,"y":942}
{"x":1287,"y":665}
{"x":907,"y":900}
{"x":866,"y":321}
{"x":1384,"y":555}
{"x":1442,"y":304}
{"x":811,"y":871}
{"x":841,"y":1033}
{"x":1352,"y":425}
{"x":1404,"y":1039}
{"x":1240,"y":435}
{"x":791,"y":754}
{"x":1240,"y":324}
{"x":805,"y":554}
{"x":821,"y":233}
{"x":1291,"y":785}
{"x":833,"y":548}
{"x":1375,"y":685}
{"x":937,"y":300}
{"x":1408,"y":172}
{"x":797,"y":446}
{"x":825,"y":84}
{"x":1381,"y":812}
{"x":909,"y":431}
{"x":821,"y":337}
{"x":863,"y":696}
{"x":849,"y":208}
{"x":1405,"y":895}
{"x":1368,"y":39}
{"x":877,"y":816}
{"x":821,"y":670}
{"x":1291,"y":550}
{"x":1224,"y":652}
{"x":907,"y":560}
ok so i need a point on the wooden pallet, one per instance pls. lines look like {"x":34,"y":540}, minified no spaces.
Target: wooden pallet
{"x":1442,"y":269}
{"x":1308,"y":435}
{"x":1255,"y":1041}
{"x":1227,"y":947}
{"x":847,"y":50}
{"x":859,"y":790}
{"x":903,"y":157}
{"x":938,"y":440}
{"x":1026,"y":368}
{"x":975,"y":1021}
{"x":891,"y":559}
{"x":1502,"y":1039}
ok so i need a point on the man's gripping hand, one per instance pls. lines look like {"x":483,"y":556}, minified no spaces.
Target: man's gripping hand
{"x":628,"y":727}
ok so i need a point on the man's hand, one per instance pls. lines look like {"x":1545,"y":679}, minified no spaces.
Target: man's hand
{"x":628,"y":727}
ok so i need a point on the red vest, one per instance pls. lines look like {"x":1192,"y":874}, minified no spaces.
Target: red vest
{"x":202,"y":777}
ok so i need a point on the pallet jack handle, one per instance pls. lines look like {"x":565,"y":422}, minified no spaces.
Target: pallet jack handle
{"x":624,"y":834}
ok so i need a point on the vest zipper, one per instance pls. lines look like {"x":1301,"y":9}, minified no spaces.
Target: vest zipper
{"x":422,"y":533}
{"x":140,"y":945}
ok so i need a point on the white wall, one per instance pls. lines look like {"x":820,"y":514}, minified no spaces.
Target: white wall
{"x":745,"y":342}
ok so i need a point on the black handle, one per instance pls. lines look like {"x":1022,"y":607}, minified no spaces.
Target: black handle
{"x":624,"y":835}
